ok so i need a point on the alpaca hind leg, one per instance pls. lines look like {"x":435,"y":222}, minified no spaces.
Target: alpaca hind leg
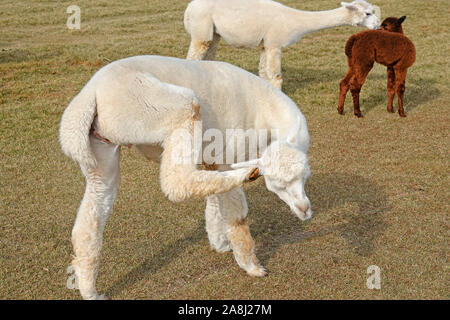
{"x":87,"y":234}
{"x":400,"y":78}
{"x":215,"y":225}
{"x":273,"y":69}
{"x":180,"y":178}
{"x":343,"y":89}
{"x":263,"y":64}
{"x":390,"y":89}
{"x":198,"y":49}
{"x":356,"y":84}
{"x":233,"y":207}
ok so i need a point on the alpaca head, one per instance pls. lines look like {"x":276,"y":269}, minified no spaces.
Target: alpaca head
{"x":393,"y":24}
{"x":285,"y":169}
{"x":361,"y":13}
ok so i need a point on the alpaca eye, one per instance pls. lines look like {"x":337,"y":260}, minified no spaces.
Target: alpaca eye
{"x":368,"y":14}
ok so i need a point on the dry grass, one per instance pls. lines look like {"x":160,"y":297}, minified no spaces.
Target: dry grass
{"x":380,"y":185}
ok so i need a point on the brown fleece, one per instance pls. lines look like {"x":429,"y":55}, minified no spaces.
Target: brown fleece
{"x":388,"y":47}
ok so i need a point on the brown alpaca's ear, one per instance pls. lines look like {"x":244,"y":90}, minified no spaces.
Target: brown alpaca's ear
{"x":400,"y":21}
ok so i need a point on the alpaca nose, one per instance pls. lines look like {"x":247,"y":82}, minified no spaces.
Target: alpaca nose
{"x":302,"y":207}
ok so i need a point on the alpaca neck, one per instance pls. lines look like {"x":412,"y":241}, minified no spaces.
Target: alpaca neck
{"x":304,"y":22}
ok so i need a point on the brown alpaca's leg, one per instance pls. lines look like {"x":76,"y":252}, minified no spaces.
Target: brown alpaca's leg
{"x":390,"y":88}
{"x":344,"y":86}
{"x":400,"y":77}
{"x":356,"y":83}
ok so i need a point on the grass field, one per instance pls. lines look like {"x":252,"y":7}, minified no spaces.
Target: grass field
{"x":379,"y":185}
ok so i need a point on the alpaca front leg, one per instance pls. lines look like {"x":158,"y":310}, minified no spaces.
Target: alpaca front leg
{"x":87,"y":234}
{"x":233,"y":207}
{"x":273,"y":69}
{"x":215,"y":225}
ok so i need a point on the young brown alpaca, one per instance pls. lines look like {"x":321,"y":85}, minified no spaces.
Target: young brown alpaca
{"x":388,"y":47}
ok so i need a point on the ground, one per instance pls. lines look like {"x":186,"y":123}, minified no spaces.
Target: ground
{"x":379,"y":186}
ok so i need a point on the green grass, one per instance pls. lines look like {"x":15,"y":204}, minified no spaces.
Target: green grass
{"x":379,"y":188}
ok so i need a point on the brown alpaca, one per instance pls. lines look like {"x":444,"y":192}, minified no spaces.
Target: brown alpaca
{"x":388,"y":47}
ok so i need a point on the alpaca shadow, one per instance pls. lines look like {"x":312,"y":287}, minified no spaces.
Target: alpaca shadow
{"x":359,"y":225}
{"x":151,"y":265}
{"x":14,"y":55}
{"x":273,"y":226}
{"x":418,"y":91}
{"x":20,"y":55}
{"x":294,"y":79}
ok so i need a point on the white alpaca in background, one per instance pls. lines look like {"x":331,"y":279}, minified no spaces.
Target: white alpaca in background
{"x":144,"y":101}
{"x":264,"y":23}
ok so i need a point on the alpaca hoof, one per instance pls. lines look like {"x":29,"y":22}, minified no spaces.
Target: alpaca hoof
{"x":257,"y":271}
{"x":254,"y":175}
{"x":402,"y":115}
{"x":341,"y":111}
{"x":390,"y":110}
{"x":222,"y":248}
{"x":359,"y":115}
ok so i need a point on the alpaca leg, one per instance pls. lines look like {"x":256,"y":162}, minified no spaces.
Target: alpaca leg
{"x":390,"y":88}
{"x":400,"y":78}
{"x":357,"y":81}
{"x":181,"y":179}
{"x":233,"y":207}
{"x":215,"y":225}
{"x":355,"y":89}
{"x":198,"y":49}
{"x":87,"y":234}
{"x":344,"y":87}
{"x":212,"y":49}
{"x":263,"y":64}
{"x":273,"y":60}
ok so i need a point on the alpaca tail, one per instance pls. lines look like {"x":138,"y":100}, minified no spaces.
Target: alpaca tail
{"x":349,"y":46}
{"x":75,"y":128}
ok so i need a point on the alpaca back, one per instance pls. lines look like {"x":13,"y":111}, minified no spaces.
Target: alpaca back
{"x":386,"y":48}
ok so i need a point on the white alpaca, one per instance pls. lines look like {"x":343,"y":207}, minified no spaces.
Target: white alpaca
{"x":152,"y":102}
{"x":264,"y":23}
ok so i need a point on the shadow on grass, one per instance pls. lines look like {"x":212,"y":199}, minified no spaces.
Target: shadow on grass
{"x":359,"y":226}
{"x":20,"y":55}
{"x":275,"y":226}
{"x":418,"y":91}
{"x":294,"y":79}
{"x":151,"y":265}
{"x":14,"y":55}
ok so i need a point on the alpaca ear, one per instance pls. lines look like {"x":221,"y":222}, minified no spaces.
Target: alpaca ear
{"x":255,"y":163}
{"x":349,"y":6}
{"x":400,"y":21}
